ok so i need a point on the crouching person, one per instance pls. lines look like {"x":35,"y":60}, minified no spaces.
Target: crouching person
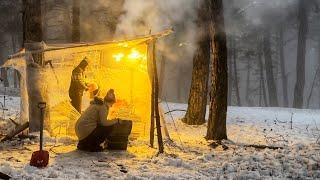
{"x":92,"y":128}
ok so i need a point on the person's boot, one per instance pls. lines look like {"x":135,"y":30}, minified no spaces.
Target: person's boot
{"x":82,"y":147}
{"x":96,"y":149}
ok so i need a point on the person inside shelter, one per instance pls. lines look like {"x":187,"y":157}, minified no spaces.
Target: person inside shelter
{"x":93,"y":128}
{"x":78,"y":85}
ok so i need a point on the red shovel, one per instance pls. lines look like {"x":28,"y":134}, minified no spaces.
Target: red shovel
{"x":40,"y":158}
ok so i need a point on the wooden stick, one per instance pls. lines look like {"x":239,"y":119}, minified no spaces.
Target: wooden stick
{"x":152,"y":112}
{"x":18,"y":130}
{"x":163,"y":122}
{"x":156,"y":96}
{"x":263,"y":146}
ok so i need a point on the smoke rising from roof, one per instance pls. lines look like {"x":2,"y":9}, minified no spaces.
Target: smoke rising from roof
{"x":140,"y":17}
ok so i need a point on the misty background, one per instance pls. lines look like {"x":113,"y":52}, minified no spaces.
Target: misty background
{"x":247,"y":21}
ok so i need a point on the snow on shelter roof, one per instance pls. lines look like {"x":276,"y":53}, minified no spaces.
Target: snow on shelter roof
{"x":96,"y":45}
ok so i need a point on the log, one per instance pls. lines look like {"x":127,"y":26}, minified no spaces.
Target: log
{"x":4,"y":176}
{"x":18,"y":130}
{"x":263,"y":146}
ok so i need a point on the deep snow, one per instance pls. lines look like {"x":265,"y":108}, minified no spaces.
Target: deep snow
{"x":189,"y":156}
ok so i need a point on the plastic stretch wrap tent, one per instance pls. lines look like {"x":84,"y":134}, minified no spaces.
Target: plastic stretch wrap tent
{"x":124,"y":66}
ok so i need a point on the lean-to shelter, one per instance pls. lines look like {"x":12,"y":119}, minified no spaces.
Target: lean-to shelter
{"x":125,"y":66}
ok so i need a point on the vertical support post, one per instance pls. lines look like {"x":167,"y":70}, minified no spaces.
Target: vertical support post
{"x":152,"y":95}
{"x":156,"y":95}
{"x":152,"y":114}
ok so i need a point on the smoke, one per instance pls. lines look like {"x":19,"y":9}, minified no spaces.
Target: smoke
{"x":261,"y":12}
{"x":99,"y":19}
{"x":140,"y":17}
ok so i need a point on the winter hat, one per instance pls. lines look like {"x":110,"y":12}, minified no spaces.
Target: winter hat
{"x":110,"y":97}
{"x":84,"y":63}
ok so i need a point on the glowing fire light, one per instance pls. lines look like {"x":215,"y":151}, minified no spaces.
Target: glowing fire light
{"x":135,"y":54}
{"x":118,"y":57}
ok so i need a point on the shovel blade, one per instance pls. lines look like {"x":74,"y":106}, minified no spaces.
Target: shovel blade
{"x":40,"y":159}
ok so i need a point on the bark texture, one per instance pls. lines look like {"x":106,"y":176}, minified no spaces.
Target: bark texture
{"x":32,"y":22}
{"x":283,"y":70}
{"x":235,"y":70}
{"x":263,"y":93}
{"x":301,"y":55}
{"x":272,"y":89}
{"x":76,"y":21}
{"x":33,"y":33}
{"x":200,"y":74}
{"x":219,"y":73}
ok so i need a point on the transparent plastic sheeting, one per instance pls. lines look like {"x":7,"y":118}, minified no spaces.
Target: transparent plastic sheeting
{"x":122,"y":66}
{"x":20,"y":65}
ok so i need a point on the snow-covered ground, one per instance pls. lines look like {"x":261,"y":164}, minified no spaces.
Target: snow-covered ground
{"x":189,"y":156}
{"x":9,"y":108}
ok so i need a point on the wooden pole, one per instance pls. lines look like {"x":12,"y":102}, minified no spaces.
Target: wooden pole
{"x":152,"y":108}
{"x":156,"y":95}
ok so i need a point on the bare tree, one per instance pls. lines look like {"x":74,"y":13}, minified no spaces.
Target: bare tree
{"x":32,"y":33}
{"x":200,"y":74}
{"x":230,"y":71}
{"x":263,"y":92}
{"x":217,"y":129}
{"x":272,"y":89}
{"x":235,"y":71}
{"x":76,"y":21}
{"x":283,"y":68}
{"x":301,"y":54}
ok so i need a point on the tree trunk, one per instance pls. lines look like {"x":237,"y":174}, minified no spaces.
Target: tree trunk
{"x":248,"y":93}
{"x":301,"y":55}
{"x":32,"y":23}
{"x":312,"y":86}
{"x":217,"y":129}
{"x":76,"y":21}
{"x":319,"y":60}
{"x":262,"y":79}
{"x":230,"y":72}
{"x":200,"y":74}
{"x":4,"y":76}
{"x":235,"y":69}
{"x":283,"y":70}
{"x":15,"y":72}
{"x":272,"y":89}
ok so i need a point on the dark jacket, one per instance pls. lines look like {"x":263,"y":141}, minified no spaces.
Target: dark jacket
{"x":78,"y":84}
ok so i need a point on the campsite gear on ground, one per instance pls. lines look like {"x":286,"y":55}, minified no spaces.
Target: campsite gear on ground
{"x":118,"y":138}
{"x":40,"y":158}
{"x":93,"y":142}
{"x":78,"y":85}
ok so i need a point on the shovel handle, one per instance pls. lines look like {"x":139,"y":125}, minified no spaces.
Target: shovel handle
{"x":41,"y":106}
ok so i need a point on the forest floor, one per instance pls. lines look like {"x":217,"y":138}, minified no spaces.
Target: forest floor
{"x":189,"y":155}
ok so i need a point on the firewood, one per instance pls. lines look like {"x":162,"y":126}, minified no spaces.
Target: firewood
{"x":18,"y":130}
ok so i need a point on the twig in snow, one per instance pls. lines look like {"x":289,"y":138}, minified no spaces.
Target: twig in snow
{"x":291,"y":121}
{"x":181,"y":110}
{"x":263,"y":146}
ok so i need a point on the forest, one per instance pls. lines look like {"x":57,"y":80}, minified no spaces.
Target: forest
{"x":198,"y":89}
